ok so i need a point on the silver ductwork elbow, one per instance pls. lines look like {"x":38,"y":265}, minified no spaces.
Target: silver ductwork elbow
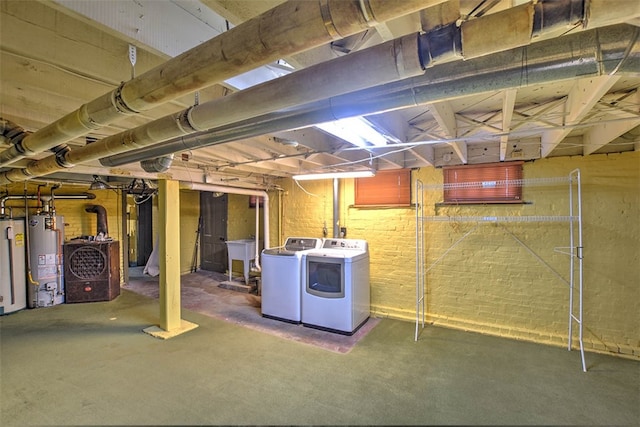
{"x":158,"y":164}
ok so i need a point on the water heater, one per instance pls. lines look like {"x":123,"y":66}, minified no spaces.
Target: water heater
{"x":13,"y":285}
{"x":46,"y":236}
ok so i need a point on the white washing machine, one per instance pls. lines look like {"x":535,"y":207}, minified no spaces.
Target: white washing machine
{"x":336,"y":295}
{"x":281,"y":278}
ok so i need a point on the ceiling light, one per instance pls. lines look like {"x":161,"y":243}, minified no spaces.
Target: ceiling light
{"x":329,"y":175}
{"x":355,"y":130}
{"x":98,"y":184}
{"x":287,"y":142}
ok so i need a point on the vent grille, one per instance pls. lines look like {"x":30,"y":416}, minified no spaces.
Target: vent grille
{"x":87,"y":262}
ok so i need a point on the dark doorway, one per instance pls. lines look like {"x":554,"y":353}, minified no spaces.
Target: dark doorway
{"x":213,"y":208}
{"x":145,"y":231}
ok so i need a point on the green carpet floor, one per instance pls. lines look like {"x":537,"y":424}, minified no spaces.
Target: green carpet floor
{"x":90,"y":364}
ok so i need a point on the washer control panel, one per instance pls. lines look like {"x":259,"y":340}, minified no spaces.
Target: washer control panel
{"x":302,"y":243}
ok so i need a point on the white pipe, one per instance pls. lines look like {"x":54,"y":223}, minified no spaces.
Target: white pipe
{"x":211,"y":188}
{"x":256,"y":260}
{"x":336,"y":208}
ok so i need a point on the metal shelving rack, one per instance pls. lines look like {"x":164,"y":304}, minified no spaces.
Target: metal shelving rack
{"x":574,"y":250}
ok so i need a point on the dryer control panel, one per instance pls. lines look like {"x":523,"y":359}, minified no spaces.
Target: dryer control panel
{"x":346,"y":244}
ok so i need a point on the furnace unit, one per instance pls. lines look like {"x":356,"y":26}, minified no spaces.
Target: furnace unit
{"x":92,"y":271}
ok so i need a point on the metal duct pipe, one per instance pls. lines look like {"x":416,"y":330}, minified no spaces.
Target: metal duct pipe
{"x":157,"y":164}
{"x":101,"y":219}
{"x":287,"y":29}
{"x":589,"y":53}
{"x":233,"y":190}
{"x":5,"y":199}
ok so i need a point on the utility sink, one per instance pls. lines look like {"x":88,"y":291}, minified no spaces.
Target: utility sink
{"x":243,"y":250}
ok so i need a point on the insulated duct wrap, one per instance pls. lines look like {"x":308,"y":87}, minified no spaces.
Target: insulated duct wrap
{"x":289,"y":28}
{"x":589,"y":53}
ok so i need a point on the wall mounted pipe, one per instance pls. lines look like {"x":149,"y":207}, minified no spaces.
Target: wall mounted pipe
{"x":289,"y":28}
{"x":211,"y":188}
{"x":590,"y":53}
{"x":7,"y":198}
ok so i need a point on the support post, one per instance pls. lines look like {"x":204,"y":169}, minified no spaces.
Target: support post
{"x":169,"y":229}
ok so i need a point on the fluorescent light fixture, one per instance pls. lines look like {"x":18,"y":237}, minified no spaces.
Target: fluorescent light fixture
{"x":355,"y":130}
{"x":329,"y":175}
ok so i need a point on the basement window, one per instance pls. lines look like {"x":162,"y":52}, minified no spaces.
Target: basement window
{"x":386,"y":188}
{"x":493,"y":183}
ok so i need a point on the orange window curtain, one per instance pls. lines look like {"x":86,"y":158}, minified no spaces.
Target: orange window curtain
{"x":486,"y":183}
{"x":387,"y":188}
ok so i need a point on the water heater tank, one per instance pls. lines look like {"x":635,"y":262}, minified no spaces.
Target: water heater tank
{"x":46,"y":236}
{"x":13,"y":284}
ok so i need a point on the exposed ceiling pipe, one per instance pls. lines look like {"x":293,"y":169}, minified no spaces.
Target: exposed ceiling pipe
{"x":530,"y":20}
{"x":5,"y":199}
{"x":590,"y":53}
{"x":289,"y":28}
{"x":308,"y":84}
{"x":389,"y":61}
{"x":385,"y":62}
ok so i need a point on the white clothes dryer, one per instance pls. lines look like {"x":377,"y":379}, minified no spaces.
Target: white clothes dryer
{"x":336,"y":294}
{"x":281,"y":278}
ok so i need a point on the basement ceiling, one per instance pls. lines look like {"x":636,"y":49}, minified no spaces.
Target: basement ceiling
{"x":466,"y":107}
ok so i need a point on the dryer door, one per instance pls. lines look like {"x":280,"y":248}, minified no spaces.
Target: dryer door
{"x":324,"y":276}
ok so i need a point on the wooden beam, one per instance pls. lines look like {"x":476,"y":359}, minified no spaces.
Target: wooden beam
{"x":602,"y":134}
{"x":582,"y":97}
{"x":445,"y":116}
{"x":508,"y":102}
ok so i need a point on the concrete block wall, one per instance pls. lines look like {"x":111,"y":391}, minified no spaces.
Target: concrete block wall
{"x":505,"y":279}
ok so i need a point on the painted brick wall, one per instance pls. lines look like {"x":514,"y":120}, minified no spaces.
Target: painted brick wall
{"x":189,"y":215}
{"x":505,"y":279}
